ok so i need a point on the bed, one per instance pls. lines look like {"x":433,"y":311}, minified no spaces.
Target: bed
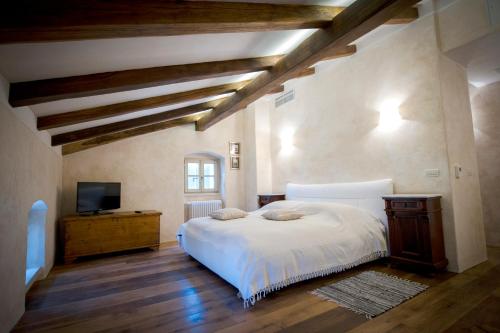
{"x":344,"y":226}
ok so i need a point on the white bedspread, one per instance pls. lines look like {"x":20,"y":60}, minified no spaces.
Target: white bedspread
{"x":258,"y":256}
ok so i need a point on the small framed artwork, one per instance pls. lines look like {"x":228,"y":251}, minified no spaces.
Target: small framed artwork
{"x":234,"y":148}
{"x":235,"y":162}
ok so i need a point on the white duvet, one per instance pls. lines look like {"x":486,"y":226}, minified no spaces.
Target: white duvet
{"x":258,"y":256}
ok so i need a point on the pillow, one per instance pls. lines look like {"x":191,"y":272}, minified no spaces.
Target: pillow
{"x":228,"y":214}
{"x":282,"y":214}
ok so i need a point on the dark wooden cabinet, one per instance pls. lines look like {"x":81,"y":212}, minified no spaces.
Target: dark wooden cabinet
{"x":416,"y":231}
{"x":265,"y":199}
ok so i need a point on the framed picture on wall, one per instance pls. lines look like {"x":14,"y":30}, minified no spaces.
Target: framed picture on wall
{"x":234,"y":148}
{"x":235,"y":162}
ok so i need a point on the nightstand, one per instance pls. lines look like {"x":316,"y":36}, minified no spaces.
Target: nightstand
{"x":416,"y":230}
{"x":265,"y":199}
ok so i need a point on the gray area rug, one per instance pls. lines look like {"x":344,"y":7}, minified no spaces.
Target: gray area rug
{"x":370,"y":293}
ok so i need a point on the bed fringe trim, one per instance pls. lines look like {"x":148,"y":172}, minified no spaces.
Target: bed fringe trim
{"x":250,"y":301}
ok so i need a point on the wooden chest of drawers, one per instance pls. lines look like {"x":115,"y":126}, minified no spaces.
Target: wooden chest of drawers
{"x":96,"y":234}
{"x":416,"y":231}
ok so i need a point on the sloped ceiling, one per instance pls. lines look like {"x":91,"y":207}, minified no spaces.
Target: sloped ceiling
{"x":26,"y":62}
{"x":481,"y":58}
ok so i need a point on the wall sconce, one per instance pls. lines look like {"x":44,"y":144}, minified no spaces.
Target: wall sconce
{"x":390,"y":119}
{"x":286,"y":138}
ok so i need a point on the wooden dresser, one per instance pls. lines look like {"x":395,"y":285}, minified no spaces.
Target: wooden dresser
{"x":416,"y":230}
{"x":265,"y":199}
{"x":96,"y":234}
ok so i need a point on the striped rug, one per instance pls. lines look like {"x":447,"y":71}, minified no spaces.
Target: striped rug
{"x":370,"y":293}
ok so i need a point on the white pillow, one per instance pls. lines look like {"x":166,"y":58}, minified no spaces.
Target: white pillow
{"x":228,"y":214}
{"x":282,"y":214}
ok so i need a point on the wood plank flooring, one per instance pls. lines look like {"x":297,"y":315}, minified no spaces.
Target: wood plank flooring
{"x":167,"y":291}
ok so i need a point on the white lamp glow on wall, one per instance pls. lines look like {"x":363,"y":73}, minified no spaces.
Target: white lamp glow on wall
{"x":390,"y":119}
{"x":286,"y":139}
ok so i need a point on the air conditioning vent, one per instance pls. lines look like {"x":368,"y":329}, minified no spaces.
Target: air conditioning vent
{"x":494,"y":12}
{"x":285,"y":98}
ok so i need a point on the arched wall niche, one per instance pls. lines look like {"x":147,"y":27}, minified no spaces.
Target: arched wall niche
{"x":35,"y":251}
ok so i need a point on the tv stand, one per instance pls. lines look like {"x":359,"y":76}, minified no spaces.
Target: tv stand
{"x":97,"y":212}
{"x":84,"y":235}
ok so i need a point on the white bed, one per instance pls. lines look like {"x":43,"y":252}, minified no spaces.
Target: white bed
{"x":344,"y":226}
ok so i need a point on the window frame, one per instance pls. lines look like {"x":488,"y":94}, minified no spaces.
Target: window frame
{"x":201,"y":177}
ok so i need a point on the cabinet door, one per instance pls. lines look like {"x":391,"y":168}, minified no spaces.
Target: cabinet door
{"x":409,"y":236}
{"x":111,"y":234}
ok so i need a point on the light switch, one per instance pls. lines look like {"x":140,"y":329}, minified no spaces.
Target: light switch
{"x":458,"y":171}
{"x":432,"y":172}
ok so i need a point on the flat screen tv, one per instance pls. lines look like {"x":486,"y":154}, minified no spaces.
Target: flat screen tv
{"x":95,"y":197}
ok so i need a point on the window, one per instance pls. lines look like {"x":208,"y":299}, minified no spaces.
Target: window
{"x":201,"y":175}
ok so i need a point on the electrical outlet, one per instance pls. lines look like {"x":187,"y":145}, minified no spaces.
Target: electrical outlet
{"x":432,"y":172}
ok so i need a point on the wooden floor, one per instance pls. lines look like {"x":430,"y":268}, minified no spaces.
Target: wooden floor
{"x":166,"y":291}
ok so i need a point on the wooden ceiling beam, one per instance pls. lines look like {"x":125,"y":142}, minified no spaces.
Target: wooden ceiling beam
{"x":277,"y":90}
{"x":40,"y":91}
{"x":74,"y":147}
{"x":341,"y":53}
{"x":112,"y":110}
{"x":93,"y":137}
{"x":355,"y":21}
{"x":407,"y":16}
{"x":91,"y":132}
{"x":25,"y":21}
{"x":306,"y":72}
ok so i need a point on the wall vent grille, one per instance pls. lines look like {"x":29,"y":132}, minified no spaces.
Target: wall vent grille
{"x":285,"y":98}
{"x":494,"y":12}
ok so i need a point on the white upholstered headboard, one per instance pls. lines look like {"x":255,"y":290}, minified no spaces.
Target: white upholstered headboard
{"x":366,"y":195}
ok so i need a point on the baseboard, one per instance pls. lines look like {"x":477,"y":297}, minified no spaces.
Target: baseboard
{"x":34,"y":276}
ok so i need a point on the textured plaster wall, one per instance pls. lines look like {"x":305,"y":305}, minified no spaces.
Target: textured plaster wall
{"x":486,"y":116}
{"x":30,"y":170}
{"x":151,"y":170}
{"x":466,"y":196}
{"x":336,"y":138}
{"x":258,"y":168}
{"x":462,"y":22}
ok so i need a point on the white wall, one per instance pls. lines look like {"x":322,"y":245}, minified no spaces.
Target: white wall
{"x":30,"y":170}
{"x":257,"y":145}
{"x":333,"y":123}
{"x":334,"y":118}
{"x":151,"y":170}
{"x":461,"y":22}
{"x":466,"y":196}
{"x":486,"y":115}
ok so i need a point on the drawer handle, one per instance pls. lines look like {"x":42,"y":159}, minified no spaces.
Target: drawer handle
{"x":405,"y":204}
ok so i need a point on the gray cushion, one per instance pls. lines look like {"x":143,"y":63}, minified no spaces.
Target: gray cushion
{"x":228,"y":214}
{"x":282,"y":215}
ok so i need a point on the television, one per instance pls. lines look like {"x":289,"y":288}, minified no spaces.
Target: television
{"x":96,"y":197}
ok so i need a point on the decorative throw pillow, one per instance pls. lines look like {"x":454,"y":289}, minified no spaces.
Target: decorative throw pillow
{"x":228,"y":214}
{"x":282,"y":214}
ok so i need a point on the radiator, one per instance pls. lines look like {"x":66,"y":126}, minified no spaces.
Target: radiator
{"x":202,"y":208}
